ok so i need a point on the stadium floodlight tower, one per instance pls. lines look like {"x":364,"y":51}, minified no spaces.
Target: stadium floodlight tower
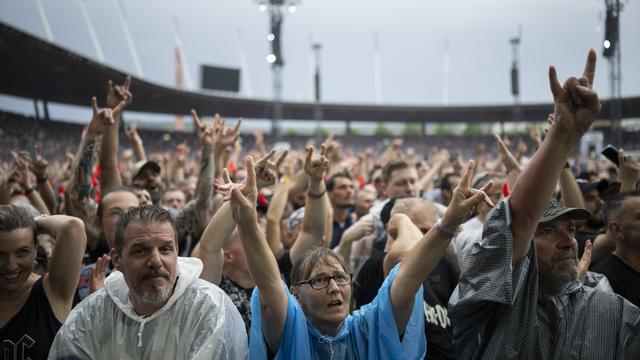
{"x":515,"y":88}
{"x":277,"y":9}
{"x":611,"y":51}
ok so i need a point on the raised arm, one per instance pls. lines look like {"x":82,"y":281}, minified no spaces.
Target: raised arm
{"x":21,"y":163}
{"x":260,"y":148}
{"x":118,"y":97}
{"x":512,"y":166}
{"x":209,"y":136}
{"x":571,"y":194}
{"x":277,"y":205}
{"x":267,"y":175}
{"x":426,"y":182}
{"x":61,"y":281}
{"x":77,"y":196}
{"x":136,"y":141}
{"x":575,"y":108}
{"x":261,"y":262}
{"x":361,"y":228}
{"x":313,"y":223}
{"x":334,"y":154}
{"x":39,"y":168}
{"x":210,"y":247}
{"x":225,"y":139}
{"x":424,"y":256}
{"x":629,"y":172}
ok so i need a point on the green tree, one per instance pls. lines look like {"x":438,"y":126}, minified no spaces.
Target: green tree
{"x":382,"y":130}
{"x":444,"y":129}
{"x":474,"y":129}
{"x":412,"y":129}
{"x":321,"y":131}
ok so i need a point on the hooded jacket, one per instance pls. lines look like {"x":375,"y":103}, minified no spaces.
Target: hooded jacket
{"x":199,"y":321}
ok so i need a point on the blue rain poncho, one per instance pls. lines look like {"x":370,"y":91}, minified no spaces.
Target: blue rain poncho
{"x":368,"y":333}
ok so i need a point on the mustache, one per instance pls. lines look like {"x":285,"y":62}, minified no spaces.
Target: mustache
{"x":155,"y":273}
{"x":564,"y":254}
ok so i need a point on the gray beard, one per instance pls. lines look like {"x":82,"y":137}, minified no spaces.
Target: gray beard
{"x":155,"y":297}
{"x":552,"y":280}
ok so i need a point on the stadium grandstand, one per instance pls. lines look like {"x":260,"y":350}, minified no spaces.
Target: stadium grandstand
{"x":145,"y":217}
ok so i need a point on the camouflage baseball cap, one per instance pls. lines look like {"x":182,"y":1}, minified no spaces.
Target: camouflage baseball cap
{"x":295,"y":218}
{"x":556,"y":209}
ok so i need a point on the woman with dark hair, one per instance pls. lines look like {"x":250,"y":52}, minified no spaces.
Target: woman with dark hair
{"x":311,"y":320}
{"x":33,"y":307}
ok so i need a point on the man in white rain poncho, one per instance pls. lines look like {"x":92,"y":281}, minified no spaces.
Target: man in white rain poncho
{"x":155,"y":306}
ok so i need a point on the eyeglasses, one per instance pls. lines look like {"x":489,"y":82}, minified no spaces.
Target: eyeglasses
{"x":322,"y":282}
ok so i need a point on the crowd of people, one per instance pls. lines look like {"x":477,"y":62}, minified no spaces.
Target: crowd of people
{"x":218,"y":248}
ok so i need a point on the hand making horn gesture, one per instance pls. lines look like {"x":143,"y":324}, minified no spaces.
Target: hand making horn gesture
{"x":465,"y":198}
{"x":248,"y":187}
{"x":576,"y":103}
{"x":242,"y":196}
{"x":267,"y":170}
{"x":102,"y":117}
{"x":207,"y":133}
{"x":316,"y":165}
{"x":119,"y":93}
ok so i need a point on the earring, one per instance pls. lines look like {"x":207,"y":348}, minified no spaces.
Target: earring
{"x":35,"y":262}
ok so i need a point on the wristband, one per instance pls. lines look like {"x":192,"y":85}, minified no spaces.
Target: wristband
{"x":42,"y":180}
{"x":29,"y":190}
{"x":445,"y":230}
{"x":316,"y":195}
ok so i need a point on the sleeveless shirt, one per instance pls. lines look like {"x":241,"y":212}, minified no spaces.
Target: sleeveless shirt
{"x":30,"y":332}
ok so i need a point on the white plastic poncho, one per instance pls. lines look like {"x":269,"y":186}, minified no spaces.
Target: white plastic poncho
{"x":198,"y":322}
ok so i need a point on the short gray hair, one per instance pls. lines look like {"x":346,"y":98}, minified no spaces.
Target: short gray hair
{"x":145,"y":214}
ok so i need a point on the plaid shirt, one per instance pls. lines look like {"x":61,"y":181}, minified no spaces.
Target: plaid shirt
{"x":498,"y":313}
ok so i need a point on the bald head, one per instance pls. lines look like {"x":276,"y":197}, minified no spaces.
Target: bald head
{"x":423,"y":213}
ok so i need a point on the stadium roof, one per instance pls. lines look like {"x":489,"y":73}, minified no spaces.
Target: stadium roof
{"x":36,"y":69}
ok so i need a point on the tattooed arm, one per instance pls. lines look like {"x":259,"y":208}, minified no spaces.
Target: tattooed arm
{"x":213,"y":138}
{"x":77,"y":197}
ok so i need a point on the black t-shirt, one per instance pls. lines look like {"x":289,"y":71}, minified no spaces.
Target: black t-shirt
{"x":624,"y":280}
{"x":285,"y":265}
{"x":339,"y":229}
{"x":30,"y":332}
{"x":101,"y":249}
{"x":582,"y":238}
{"x":369,"y":280}
{"x":438,"y":287}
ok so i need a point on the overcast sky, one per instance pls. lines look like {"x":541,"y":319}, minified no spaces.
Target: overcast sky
{"x":412,"y":36}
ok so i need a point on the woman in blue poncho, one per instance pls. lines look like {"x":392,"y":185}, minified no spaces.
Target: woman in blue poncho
{"x":311,"y":319}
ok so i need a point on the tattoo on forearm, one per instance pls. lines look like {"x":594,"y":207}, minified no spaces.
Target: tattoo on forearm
{"x":187,"y":222}
{"x":82,"y":175}
{"x":204,"y":186}
{"x":206,"y":159}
